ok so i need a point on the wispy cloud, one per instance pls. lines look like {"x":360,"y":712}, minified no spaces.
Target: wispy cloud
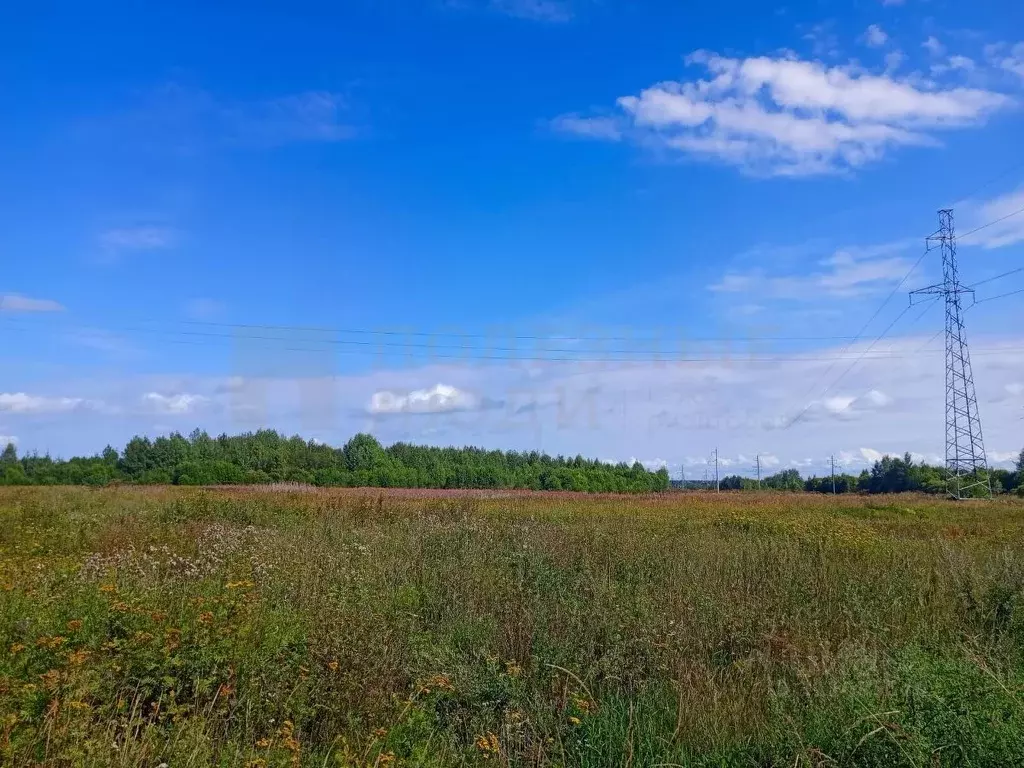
{"x":603,"y":128}
{"x":119,"y":241}
{"x":22,"y":403}
{"x":6,"y":440}
{"x":556,"y":11}
{"x":313,"y":116}
{"x":104,"y":341}
{"x":1003,"y":217}
{"x":787,"y":116}
{"x":14,"y":302}
{"x":204,"y":309}
{"x":846,"y":273}
{"x":186,"y":120}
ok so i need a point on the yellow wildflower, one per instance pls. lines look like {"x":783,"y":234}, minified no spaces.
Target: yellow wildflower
{"x":488,"y":744}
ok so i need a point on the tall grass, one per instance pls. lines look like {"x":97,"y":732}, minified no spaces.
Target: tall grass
{"x":193,"y":628}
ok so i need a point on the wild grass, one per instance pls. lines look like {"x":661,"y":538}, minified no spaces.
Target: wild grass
{"x":141,"y":627}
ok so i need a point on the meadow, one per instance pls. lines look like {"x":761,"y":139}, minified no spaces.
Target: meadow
{"x":144,"y":626}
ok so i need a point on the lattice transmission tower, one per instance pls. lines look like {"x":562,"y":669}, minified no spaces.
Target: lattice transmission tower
{"x":967,"y":473}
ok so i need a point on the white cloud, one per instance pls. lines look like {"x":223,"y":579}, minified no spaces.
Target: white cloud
{"x":893,"y":60}
{"x":871,"y":455}
{"x":6,"y":440}
{"x":875,"y":36}
{"x":104,"y":341}
{"x":144,"y":238}
{"x":892,"y":2}
{"x":189,"y":120}
{"x":1006,"y":458}
{"x":22,"y":403}
{"x":13,"y":302}
{"x":846,"y":407}
{"x":651,"y":465}
{"x":605,"y":128}
{"x":787,"y":116}
{"x":962,"y":62}
{"x":846,"y":273}
{"x":933,"y":46}
{"x":1008,"y":226}
{"x":204,"y":309}
{"x":441,"y":398}
{"x":534,"y":10}
{"x":173,"y":405}
{"x":313,"y":116}
{"x":1013,"y":60}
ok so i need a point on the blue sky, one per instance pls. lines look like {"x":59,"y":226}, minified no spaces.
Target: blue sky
{"x":477,"y":172}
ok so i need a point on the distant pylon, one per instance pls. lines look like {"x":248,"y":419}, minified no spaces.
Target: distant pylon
{"x":967,"y":472}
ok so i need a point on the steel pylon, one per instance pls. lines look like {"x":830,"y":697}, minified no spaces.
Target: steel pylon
{"x":967,"y":473}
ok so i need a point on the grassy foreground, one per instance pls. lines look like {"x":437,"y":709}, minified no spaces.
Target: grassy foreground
{"x":141,"y":627}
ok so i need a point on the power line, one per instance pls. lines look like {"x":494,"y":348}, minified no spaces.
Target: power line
{"x":995,"y":221}
{"x":860,"y":333}
{"x":1000,"y":296}
{"x":652,"y":357}
{"x":1001,"y":175}
{"x":990,"y":279}
{"x":850,"y":368}
{"x":517,"y":337}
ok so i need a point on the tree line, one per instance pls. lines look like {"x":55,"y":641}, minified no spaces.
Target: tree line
{"x":890,"y":474}
{"x":266,"y":456}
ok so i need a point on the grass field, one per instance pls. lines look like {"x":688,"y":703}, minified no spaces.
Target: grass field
{"x":141,"y":627}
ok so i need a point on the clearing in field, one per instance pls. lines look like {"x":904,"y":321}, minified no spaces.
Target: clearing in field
{"x":238,"y":627}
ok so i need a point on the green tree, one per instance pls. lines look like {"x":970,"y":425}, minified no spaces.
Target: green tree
{"x":9,"y":455}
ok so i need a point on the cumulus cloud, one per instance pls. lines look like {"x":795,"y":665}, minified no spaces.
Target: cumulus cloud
{"x":788,"y":116}
{"x":871,"y":455}
{"x":933,"y":46}
{"x":13,"y":302}
{"x":875,"y":36}
{"x":846,"y":406}
{"x":1011,"y":60}
{"x":173,"y":405}
{"x":441,"y":398}
{"x":22,"y":403}
{"x":651,"y":465}
{"x":893,"y":60}
{"x":6,"y":440}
